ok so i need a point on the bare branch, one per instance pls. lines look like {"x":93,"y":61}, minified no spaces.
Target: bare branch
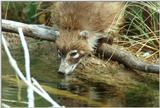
{"x":127,"y":59}
{"x":35,"y":31}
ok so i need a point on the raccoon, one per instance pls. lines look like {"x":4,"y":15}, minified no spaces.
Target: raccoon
{"x":81,"y":25}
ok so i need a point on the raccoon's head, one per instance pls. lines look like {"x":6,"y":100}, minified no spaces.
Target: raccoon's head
{"x":73,"y":46}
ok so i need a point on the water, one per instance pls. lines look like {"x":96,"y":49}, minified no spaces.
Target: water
{"x":67,"y":91}
{"x":44,"y":66}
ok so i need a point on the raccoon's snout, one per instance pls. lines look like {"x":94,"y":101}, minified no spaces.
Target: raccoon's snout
{"x":65,"y":67}
{"x":60,"y":72}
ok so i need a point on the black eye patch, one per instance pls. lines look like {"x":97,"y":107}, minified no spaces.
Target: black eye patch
{"x":60,"y":53}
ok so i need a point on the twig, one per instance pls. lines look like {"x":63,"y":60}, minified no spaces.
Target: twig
{"x":27,"y":67}
{"x":42,"y":90}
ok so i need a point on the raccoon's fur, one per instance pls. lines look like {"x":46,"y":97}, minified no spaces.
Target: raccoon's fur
{"x":79,"y":25}
{"x":93,"y":16}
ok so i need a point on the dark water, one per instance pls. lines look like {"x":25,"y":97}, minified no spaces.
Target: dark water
{"x":67,"y":91}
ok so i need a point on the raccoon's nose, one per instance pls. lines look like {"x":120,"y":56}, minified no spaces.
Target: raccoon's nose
{"x":60,"y":72}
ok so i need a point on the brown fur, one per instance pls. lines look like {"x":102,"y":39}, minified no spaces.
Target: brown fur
{"x":73,"y":17}
{"x":93,"y":16}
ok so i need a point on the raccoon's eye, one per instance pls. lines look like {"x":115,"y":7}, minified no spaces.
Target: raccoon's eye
{"x":74,"y":54}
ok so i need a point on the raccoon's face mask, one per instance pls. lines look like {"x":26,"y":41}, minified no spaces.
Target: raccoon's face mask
{"x":69,"y":61}
{"x":72,"y":51}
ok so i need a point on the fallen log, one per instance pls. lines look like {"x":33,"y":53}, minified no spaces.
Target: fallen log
{"x":127,"y":59}
{"x":48,"y":33}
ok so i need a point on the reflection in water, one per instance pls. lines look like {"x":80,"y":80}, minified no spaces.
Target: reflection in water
{"x":72,"y":84}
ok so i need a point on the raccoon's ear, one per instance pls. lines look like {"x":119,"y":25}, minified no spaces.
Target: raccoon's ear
{"x":84,"y":34}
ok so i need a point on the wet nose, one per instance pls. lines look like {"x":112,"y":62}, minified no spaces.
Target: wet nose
{"x":60,"y":72}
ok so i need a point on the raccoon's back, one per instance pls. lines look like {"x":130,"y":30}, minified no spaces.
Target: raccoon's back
{"x":94,"y":16}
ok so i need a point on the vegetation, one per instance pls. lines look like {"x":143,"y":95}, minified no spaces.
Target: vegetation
{"x":140,"y":32}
